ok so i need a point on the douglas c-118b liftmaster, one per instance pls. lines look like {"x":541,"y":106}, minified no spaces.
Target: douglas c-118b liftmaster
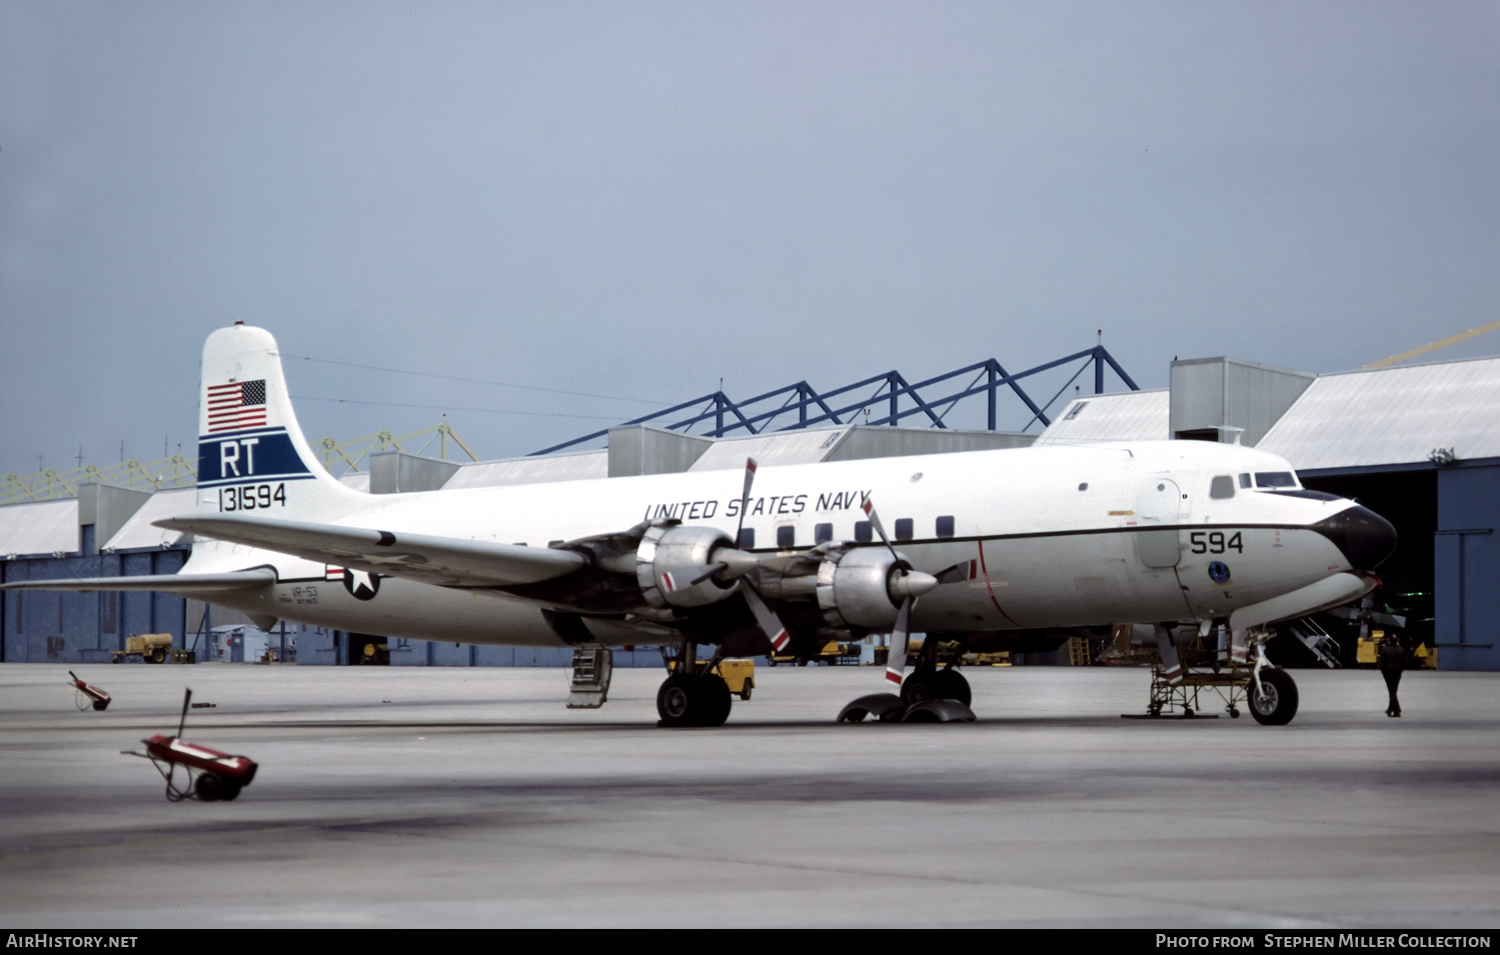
{"x":987,"y":548}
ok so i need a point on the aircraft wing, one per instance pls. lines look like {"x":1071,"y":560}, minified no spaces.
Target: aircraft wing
{"x":444,"y":561}
{"x":170,"y":583}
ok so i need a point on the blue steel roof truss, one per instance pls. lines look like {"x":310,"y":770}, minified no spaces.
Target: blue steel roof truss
{"x":814,"y":407}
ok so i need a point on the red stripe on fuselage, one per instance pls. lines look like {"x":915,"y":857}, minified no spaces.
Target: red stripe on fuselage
{"x":990,"y":588}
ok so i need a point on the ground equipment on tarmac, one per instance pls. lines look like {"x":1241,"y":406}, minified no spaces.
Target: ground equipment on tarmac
{"x":211,"y":775}
{"x":150,"y":647}
{"x":1231,"y":663}
{"x":87,"y":695}
{"x":738,"y":675}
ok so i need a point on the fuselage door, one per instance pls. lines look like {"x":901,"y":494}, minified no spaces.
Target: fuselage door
{"x":1159,"y":506}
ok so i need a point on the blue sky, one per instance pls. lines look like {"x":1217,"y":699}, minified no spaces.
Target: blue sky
{"x":632,"y":201}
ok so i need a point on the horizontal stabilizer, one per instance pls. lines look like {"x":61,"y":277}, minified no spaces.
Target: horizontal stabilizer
{"x":169,"y":583}
{"x":443,"y":561}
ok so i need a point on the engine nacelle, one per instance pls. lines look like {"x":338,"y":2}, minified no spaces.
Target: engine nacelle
{"x":670,"y":558}
{"x":854,"y":588}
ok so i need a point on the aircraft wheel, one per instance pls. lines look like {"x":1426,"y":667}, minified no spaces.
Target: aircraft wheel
{"x":231,"y":791}
{"x":674,"y":701}
{"x":917,"y":688}
{"x":211,"y":787}
{"x":1276,"y":704}
{"x":951,"y":685}
{"x":100,"y":704}
{"x":687,"y":699}
{"x":716,"y":700}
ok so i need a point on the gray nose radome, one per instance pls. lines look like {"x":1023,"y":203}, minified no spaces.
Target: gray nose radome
{"x":1365,"y":538}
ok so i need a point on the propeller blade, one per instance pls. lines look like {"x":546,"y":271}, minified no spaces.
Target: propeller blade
{"x":869,"y":508}
{"x":769,"y":623}
{"x":750,"y":467}
{"x":895,"y":664}
{"x":707,"y":573}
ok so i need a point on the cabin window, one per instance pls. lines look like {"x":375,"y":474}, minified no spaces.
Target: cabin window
{"x":822,"y":533}
{"x":1084,"y":486}
{"x":945,"y":526}
{"x":1221,"y":486}
{"x":1275,"y":479}
{"x":1244,"y":480}
{"x":747,"y":538}
{"x":904,"y":529}
{"x":862,"y":532}
{"x":786,"y":536}
{"x":1073,"y":413}
{"x":555,"y":543}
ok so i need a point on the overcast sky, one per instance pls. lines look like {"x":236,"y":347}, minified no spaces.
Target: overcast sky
{"x":632,"y":200}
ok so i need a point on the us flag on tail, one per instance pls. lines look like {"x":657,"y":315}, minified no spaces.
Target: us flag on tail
{"x":241,"y":404}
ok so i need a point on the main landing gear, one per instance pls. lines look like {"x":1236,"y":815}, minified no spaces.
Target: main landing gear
{"x":927,"y":696}
{"x":692,"y":695}
{"x":693,"y":699}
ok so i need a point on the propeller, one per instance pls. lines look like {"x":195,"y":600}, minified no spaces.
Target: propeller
{"x":769,"y":623}
{"x":909,"y":586}
{"x":730,"y":563}
{"x":750,"y":467}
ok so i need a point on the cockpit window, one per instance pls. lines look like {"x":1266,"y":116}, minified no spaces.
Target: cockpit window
{"x":1244,"y":480}
{"x":1221,"y":486}
{"x":1275,"y":479}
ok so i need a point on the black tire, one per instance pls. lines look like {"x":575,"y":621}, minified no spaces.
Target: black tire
{"x":693,"y":700}
{"x":745,"y":690}
{"x":716,"y":701}
{"x":951,"y":685}
{"x":211,"y":787}
{"x":114,"y":659}
{"x":770,"y":661}
{"x":918,"y":688}
{"x":231,"y":791}
{"x":1279,"y":704}
{"x":158,"y":656}
{"x":675,"y":699}
{"x":100,"y":704}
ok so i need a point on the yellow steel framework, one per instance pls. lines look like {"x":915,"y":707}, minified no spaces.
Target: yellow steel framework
{"x":178,"y":472}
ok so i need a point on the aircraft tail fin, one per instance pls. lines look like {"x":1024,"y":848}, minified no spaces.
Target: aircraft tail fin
{"x":252,"y":455}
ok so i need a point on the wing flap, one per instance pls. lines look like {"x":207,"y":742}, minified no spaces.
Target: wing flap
{"x":169,"y":583}
{"x":443,"y":561}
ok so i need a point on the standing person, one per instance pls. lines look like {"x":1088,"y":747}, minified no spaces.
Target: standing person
{"x":1392,"y":661}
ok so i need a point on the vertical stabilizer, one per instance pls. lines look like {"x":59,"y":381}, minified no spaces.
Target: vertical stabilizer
{"x":252,"y":456}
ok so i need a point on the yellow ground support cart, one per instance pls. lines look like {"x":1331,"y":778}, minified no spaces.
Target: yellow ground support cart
{"x":738,"y":675}
{"x":150,"y":647}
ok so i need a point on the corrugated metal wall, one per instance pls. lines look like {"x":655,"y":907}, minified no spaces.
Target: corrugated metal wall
{"x":1210,"y":392}
{"x":41,"y":626}
{"x":1467,"y":567}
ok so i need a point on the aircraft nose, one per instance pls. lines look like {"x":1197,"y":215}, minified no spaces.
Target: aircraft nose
{"x":1364,"y":537}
